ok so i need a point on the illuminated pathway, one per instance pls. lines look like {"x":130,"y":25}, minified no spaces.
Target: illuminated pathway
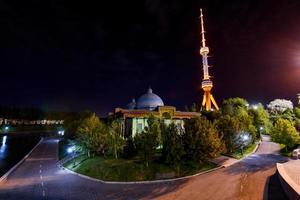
{"x":40,"y":178}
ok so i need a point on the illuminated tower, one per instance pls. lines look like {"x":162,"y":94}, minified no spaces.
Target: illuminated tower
{"x":206,"y":82}
{"x":298,"y":99}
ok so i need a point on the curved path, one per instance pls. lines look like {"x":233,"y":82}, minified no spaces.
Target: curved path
{"x":40,"y":178}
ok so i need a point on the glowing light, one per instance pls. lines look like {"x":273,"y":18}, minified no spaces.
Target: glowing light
{"x":61,"y":132}
{"x":6,"y":128}
{"x":4,"y":140}
{"x":245,"y":137}
{"x":71,"y":149}
{"x":261,"y":128}
{"x":255,"y":107}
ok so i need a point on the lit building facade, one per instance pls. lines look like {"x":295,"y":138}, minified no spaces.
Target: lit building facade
{"x":135,"y":115}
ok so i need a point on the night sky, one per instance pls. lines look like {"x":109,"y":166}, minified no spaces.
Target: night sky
{"x":71,"y":56}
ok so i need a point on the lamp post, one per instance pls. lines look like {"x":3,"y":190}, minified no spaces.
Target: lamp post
{"x":71,"y":150}
{"x":244,"y":139}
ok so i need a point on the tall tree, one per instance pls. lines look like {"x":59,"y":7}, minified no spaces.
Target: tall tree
{"x":147,"y":141}
{"x":173,"y":149}
{"x":285,"y":133}
{"x":116,"y":139}
{"x":201,"y":140}
{"x":93,"y":135}
{"x":261,"y":119}
{"x":230,"y":128}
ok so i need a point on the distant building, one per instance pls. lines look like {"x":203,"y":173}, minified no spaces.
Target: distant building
{"x":298,"y":98}
{"x":136,"y":113}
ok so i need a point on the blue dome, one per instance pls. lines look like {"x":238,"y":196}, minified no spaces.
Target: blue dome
{"x":149,"y":101}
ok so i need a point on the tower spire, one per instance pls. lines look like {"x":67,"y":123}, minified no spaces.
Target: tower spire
{"x":207,"y":84}
{"x":202,"y":28}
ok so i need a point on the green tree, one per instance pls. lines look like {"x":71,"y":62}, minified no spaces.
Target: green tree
{"x":261,"y":119}
{"x":239,"y":109}
{"x":297,"y":112}
{"x":229,"y":127}
{"x":192,"y":108}
{"x":285,"y":133}
{"x":72,"y":123}
{"x":173,"y":150}
{"x":201,"y":140}
{"x":232,"y":105}
{"x":147,"y":141}
{"x":93,"y":135}
{"x":116,"y":139}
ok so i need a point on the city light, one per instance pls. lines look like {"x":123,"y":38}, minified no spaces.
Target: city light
{"x":6,"y":128}
{"x":61,"y":132}
{"x":255,"y":107}
{"x":71,"y":149}
{"x":245,"y":137}
{"x":4,"y":140}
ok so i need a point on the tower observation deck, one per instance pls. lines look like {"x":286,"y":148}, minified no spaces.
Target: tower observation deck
{"x":207,"y":84}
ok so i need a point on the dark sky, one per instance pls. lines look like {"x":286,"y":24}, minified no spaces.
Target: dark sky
{"x":69,"y":55}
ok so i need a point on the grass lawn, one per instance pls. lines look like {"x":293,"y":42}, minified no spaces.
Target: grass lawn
{"x":283,"y":151}
{"x":110,"y":169}
{"x":238,"y":154}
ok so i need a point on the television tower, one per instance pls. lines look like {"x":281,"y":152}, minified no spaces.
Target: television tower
{"x":207,"y":84}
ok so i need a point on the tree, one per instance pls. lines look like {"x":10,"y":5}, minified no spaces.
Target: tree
{"x":147,"y":141}
{"x":285,"y":133}
{"x":297,"y":112}
{"x":261,"y":119}
{"x":72,"y":123}
{"x":232,"y":105}
{"x":229,"y":127}
{"x":93,"y":135}
{"x":116,"y":140}
{"x":173,"y":150}
{"x":280,"y":105}
{"x":201,"y":140}
{"x":238,"y":108}
{"x":281,"y":108}
{"x":192,"y":108}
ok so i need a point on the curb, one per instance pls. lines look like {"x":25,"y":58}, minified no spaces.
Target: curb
{"x":239,"y":160}
{"x":4,"y":177}
{"x":140,"y":182}
{"x":289,"y":186}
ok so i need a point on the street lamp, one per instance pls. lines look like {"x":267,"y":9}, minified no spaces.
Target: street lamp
{"x":71,"y":150}
{"x":245,"y":138}
{"x":62,"y":132}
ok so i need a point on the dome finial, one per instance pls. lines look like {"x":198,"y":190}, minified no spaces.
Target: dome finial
{"x":149,"y":89}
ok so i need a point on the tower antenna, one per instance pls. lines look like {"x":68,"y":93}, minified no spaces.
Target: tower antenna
{"x":202,"y":28}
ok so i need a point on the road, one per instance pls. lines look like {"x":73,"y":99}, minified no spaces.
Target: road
{"x":40,"y":178}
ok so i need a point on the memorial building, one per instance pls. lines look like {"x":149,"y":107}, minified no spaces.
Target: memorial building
{"x":135,"y":114}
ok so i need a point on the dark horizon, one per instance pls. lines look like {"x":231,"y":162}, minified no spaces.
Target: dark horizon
{"x":63,"y":55}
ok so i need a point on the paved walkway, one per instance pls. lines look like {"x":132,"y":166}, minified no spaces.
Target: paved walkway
{"x":40,"y":178}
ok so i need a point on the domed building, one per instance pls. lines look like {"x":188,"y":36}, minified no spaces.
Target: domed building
{"x":149,"y":101}
{"x":136,"y":113}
